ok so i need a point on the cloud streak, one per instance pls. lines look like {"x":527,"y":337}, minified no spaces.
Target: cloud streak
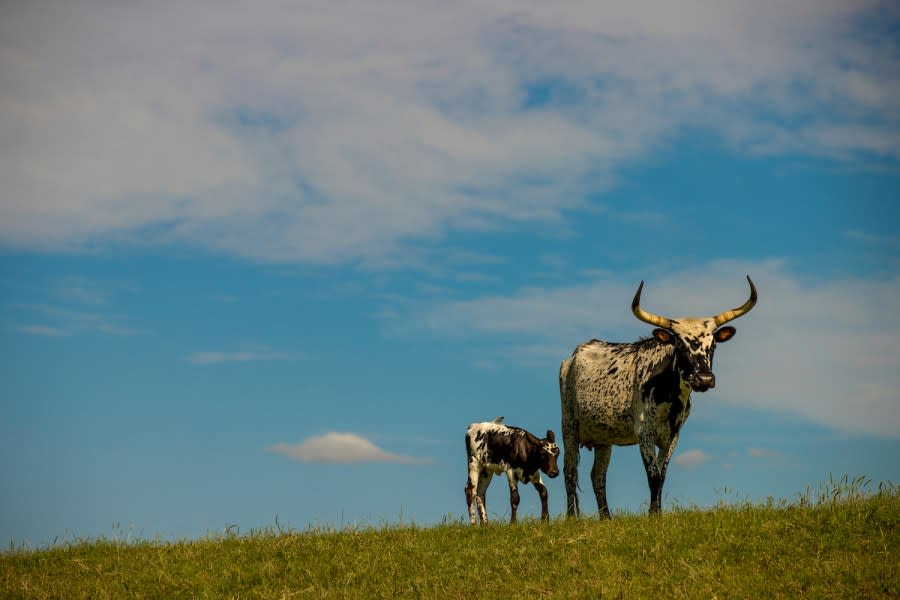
{"x":298,"y":134}
{"x":824,"y":351}
{"x":61,"y":322}
{"x":341,"y":447}
{"x":43,"y":330}
{"x":765,"y":453}
{"x":691,"y":459}
{"x":256,"y":354}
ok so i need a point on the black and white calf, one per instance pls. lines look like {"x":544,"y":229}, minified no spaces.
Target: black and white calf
{"x":492,"y":448}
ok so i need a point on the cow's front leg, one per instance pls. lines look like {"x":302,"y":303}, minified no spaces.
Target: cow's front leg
{"x":655,"y":477}
{"x":662,"y":461}
{"x":542,"y":492}
{"x":513,"y":496}
{"x":598,"y":477}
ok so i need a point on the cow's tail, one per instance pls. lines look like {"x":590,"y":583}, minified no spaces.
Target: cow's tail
{"x":570,"y":436}
{"x":563,"y":375}
{"x":567,"y":402}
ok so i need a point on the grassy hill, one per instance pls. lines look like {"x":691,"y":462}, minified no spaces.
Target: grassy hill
{"x":841,"y":544}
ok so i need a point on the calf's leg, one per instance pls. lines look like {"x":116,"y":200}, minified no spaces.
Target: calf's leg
{"x":472,"y":482}
{"x":484,"y":481}
{"x":542,"y":492}
{"x":513,"y":496}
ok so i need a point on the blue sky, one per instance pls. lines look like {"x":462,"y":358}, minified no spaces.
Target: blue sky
{"x":265,"y":262}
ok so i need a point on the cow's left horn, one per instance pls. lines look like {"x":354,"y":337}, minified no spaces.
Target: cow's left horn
{"x":643,"y":315}
{"x":730,"y":315}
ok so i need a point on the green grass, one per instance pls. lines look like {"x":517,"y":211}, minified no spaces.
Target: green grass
{"x":841,"y":542}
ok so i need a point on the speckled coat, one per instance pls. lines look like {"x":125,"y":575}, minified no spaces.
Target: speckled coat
{"x":620,"y":394}
{"x":638,"y":393}
{"x":492,"y":448}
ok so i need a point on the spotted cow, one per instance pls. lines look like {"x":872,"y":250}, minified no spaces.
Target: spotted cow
{"x":639,"y":393}
{"x":492,"y":448}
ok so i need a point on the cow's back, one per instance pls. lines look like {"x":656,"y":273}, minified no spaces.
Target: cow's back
{"x":597,"y":388}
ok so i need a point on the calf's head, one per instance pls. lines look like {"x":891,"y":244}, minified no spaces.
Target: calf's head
{"x":694,"y":338}
{"x":548,"y":453}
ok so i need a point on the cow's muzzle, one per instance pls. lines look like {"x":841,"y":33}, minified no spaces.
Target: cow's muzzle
{"x":700,"y":382}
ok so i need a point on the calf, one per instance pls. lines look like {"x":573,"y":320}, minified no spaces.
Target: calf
{"x":497,"y":448}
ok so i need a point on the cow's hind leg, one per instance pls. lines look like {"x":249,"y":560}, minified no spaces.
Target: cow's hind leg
{"x":570,"y":472}
{"x":598,"y":477}
{"x":570,"y":467}
{"x":569,"y":425}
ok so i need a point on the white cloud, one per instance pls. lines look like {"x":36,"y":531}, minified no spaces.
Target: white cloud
{"x":43,"y":330}
{"x":826,"y":352}
{"x":338,"y":132}
{"x":765,"y":453}
{"x":880,"y":241}
{"x":253,"y":354}
{"x":74,"y":305}
{"x":691,"y":459}
{"x":64,"y":321}
{"x":79,"y":290}
{"x":337,"y":447}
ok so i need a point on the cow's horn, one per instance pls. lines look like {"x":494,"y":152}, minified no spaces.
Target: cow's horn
{"x":729,"y":315}
{"x":644,"y":315}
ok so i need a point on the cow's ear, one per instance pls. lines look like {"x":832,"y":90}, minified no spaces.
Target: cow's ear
{"x":723,"y":334}
{"x":663,"y":335}
{"x":550,"y":437}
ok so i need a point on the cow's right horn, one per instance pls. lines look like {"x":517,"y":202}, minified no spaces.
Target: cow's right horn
{"x":646,"y":317}
{"x":730,"y":315}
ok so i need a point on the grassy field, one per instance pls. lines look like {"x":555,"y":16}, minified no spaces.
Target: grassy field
{"x":837,"y":543}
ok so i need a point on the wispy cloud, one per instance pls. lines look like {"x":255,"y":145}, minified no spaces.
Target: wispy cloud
{"x":823,"y":351}
{"x":43,"y":330}
{"x":59,"y":321}
{"x":79,"y":290}
{"x":765,"y":453}
{"x":872,"y":239}
{"x":73,"y":305}
{"x":691,"y":459}
{"x":337,"y":447}
{"x":252,"y":354}
{"x":282,"y":125}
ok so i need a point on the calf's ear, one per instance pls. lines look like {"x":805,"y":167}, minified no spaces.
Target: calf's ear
{"x":723,"y":334}
{"x":550,"y":437}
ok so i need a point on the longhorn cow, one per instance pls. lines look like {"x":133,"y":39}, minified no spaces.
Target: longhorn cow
{"x":615,"y":394}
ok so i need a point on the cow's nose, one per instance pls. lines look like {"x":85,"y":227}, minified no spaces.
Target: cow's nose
{"x":704,"y":381}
